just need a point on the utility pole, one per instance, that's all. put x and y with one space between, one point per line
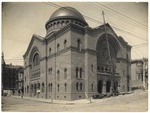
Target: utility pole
144 73
111 62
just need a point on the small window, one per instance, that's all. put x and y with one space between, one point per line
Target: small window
80 72
65 44
65 87
50 71
76 72
49 51
65 73
25 79
58 87
79 44
49 87
123 73
58 75
92 68
81 87
58 48
42 87
27 89
92 87
77 86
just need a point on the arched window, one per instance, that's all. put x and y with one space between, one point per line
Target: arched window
58 87
80 72
36 60
65 73
65 87
38 85
50 71
51 87
58 48
27 89
25 79
79 44
77 86
92 87
62 23
81 87
76 72
50 51
65 44
92 67
58 75
42 87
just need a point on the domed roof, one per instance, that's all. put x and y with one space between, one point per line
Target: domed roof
67 12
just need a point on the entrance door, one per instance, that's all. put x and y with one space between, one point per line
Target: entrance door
108 84
100 86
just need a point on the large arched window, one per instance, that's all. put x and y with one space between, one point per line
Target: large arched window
36 60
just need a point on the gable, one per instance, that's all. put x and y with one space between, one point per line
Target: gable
34 37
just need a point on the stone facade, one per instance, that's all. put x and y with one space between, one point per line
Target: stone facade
71 61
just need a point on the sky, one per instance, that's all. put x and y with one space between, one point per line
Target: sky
21 20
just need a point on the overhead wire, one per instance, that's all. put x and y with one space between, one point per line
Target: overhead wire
116 16
121 14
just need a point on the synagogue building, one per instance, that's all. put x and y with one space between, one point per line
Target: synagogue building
73 59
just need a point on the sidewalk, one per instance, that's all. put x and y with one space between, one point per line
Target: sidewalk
54 101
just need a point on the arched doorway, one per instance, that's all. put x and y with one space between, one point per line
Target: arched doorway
100 86
34 90
108 85
115 86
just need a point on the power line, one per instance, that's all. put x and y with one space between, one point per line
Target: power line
116 16
121 14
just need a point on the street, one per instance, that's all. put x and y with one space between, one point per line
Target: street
137 101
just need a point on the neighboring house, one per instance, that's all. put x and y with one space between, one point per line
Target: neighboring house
9 76
139 74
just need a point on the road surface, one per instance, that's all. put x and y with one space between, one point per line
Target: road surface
136 102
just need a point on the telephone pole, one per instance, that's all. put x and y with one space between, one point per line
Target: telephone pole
111 61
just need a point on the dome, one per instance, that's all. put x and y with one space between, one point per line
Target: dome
64 16
67 12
